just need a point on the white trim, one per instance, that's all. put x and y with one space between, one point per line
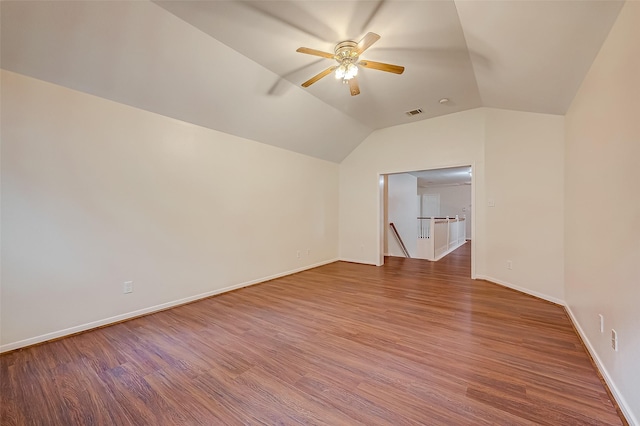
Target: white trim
381 226
129 315
457 246
360 261
522 289
622 403
473 228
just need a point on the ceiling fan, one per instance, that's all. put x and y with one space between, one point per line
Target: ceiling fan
347 54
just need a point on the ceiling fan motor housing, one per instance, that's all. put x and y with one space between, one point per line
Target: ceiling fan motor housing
346 50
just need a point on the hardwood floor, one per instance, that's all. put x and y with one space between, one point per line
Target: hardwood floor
412 342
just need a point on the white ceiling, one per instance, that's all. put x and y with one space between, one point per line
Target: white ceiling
442 177
232 65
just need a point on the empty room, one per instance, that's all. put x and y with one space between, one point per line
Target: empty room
195 212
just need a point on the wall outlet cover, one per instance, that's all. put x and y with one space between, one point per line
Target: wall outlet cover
601 319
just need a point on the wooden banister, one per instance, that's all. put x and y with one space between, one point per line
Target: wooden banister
395 232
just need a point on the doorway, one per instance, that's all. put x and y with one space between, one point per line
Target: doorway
408 196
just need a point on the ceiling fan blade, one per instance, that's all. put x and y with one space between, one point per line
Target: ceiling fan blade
354 87
315 52
318 76
366 42
380 66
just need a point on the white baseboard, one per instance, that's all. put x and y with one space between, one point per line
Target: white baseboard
450 251
624 407
145 311
622 403
522 290
364 262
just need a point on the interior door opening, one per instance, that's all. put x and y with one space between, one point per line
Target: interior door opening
431 211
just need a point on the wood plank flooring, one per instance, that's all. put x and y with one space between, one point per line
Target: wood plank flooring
409 343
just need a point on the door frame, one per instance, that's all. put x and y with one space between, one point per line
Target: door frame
382 200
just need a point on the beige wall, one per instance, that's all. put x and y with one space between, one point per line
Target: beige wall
512 153
451 140
402 211
602 220
95 193
524 179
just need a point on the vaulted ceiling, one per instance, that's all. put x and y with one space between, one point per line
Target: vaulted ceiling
232 65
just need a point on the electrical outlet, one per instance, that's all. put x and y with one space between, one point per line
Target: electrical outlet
614 340
601 323
298 254
308 252
509 264
127 287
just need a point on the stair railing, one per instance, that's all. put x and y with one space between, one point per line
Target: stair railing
399 239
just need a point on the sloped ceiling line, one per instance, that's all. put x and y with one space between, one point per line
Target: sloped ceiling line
232 65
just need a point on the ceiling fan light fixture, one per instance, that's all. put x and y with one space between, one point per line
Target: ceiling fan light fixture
346 70
352 71
347 55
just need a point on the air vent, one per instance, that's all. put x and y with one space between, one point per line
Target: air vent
414 112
